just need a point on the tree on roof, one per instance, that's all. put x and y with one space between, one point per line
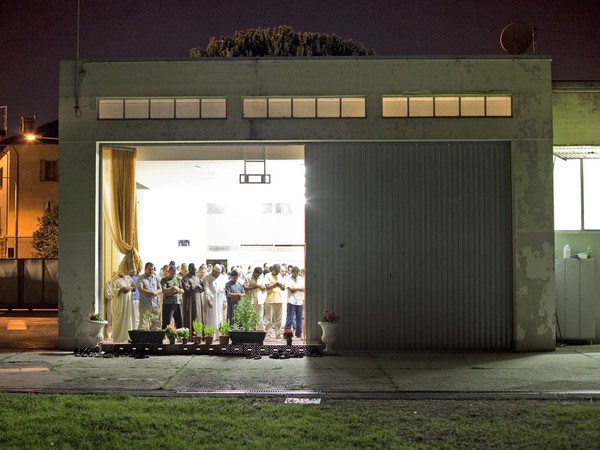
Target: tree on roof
45 238
280 41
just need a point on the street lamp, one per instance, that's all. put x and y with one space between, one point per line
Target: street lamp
30 137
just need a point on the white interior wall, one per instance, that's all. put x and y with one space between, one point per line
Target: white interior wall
174 207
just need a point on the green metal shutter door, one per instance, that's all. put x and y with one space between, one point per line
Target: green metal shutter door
410 243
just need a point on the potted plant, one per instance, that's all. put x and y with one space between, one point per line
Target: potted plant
144 336
198 327
329 324
154 319
246 319
171 333
96 324
209 334
183 334
288 334
224 329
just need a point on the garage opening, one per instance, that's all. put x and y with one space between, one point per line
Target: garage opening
239 205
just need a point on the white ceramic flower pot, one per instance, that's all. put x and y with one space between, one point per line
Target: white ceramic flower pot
95 327
329 337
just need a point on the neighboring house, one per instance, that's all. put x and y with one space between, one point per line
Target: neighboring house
428 219
28 187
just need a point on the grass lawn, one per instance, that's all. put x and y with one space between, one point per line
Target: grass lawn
124 422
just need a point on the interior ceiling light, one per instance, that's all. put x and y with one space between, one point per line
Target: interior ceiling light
577 152
255 177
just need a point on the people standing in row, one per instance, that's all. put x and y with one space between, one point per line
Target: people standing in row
135 299
214 294
122 288
255 286
183 270
274 301
171 288
192 296
234 291
149 286
295 302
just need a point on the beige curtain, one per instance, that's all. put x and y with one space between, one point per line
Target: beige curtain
120 204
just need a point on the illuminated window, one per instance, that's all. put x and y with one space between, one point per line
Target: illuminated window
255 108
420 106
576 184
162 108
500 106
447 107
187 108
305 107
354 107
328 107
136 108
395 106
591 187
567 194
280 107
472 106
110 109
214 108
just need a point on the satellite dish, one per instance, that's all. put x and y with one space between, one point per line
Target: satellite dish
516 37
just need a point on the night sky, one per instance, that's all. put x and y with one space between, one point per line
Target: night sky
36 34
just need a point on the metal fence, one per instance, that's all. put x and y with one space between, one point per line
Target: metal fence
28 283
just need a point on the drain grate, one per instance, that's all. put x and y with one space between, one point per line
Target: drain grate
326 393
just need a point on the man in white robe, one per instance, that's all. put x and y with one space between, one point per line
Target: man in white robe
122 288
214 297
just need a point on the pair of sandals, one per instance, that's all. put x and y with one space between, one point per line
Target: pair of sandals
136 355
286 355
87 352
252 355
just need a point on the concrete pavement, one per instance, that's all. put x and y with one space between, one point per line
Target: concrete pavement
570 371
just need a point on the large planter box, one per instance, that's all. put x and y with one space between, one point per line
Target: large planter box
146 337
247 337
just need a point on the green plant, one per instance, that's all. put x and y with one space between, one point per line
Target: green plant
198 327
245 315
151 316
171 331
95 317
280 41
45 238
224 328
209 331
183 333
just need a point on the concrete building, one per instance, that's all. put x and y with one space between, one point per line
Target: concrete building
429 215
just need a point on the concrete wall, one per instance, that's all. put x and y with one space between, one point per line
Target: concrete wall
529 131
576 110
